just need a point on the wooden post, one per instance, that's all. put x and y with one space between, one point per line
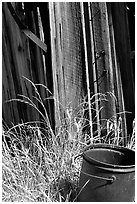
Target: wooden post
93 66
54 64
87 71
117 78
67 48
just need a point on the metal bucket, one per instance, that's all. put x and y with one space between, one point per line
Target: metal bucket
107 174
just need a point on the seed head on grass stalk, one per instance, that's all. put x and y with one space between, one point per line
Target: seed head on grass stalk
28 101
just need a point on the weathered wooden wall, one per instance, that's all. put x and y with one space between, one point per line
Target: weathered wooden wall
21 57
108 71
97 52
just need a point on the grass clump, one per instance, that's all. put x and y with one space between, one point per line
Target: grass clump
39 165
36 169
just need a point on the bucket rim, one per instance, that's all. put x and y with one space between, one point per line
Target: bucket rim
120 168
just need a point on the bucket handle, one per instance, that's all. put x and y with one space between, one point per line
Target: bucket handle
110 180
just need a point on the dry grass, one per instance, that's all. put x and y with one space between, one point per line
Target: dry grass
38 164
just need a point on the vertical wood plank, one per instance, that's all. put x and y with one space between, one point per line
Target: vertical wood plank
103 58
122 39
66 35
120 107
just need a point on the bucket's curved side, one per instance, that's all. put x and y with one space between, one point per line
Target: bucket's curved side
99 188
